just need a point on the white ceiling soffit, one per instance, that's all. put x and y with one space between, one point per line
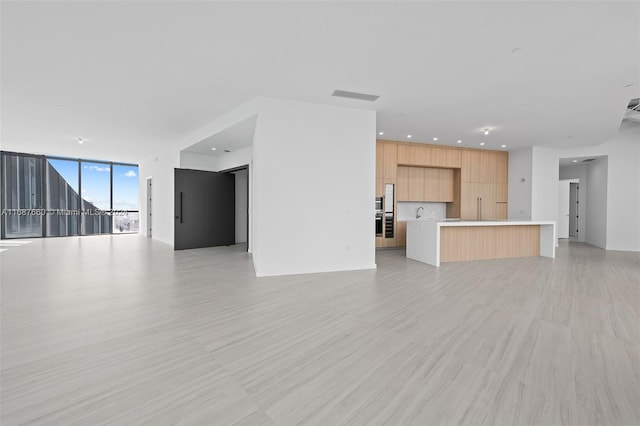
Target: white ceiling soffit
573 161
231 139
134 77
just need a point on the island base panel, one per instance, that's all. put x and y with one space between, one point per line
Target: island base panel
488 242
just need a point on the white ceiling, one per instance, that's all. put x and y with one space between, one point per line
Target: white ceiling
132 77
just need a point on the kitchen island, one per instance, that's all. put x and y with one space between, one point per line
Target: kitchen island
436 241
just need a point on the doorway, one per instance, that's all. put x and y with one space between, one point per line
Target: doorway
567 221
149 208
242 229
563 209
574 213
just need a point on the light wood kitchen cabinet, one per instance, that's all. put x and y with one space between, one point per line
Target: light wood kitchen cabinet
380 160
390 160
406 154
471 164
484 166
416 184
379 187
428 156
431 191
454 158
502 192
401 235
501 211
425 184
502 168
402 188
469 201
488 201
488 161
438 157
478 201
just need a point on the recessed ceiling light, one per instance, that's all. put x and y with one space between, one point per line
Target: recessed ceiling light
482 143
486 131
213 149
409 136
381 133
227 150
80 140
503 146
516 50
569 137
629 85
435 139
459 141
575 161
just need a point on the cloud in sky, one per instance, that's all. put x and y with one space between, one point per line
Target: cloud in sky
97 168
130 173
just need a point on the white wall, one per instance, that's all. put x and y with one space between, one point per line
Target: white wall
520 172
597 202
161 169
195 161
313 188
579 171
623 185
544 184
242 185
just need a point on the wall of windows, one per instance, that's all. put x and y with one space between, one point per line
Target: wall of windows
52 197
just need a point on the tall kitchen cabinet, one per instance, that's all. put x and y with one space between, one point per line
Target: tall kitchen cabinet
387 173
483 191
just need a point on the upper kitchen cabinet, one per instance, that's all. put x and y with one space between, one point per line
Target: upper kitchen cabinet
428 156
488 161
454 158
484 166
470 165
390 161
380 160
425 184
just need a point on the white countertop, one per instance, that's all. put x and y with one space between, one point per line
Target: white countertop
457 222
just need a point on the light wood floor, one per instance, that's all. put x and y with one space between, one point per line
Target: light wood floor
122 330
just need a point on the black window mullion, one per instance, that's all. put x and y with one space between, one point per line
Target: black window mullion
111 195
80 217
43 195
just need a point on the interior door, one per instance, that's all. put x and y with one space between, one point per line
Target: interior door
204 209
563 209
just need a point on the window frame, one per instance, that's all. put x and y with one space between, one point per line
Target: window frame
44 197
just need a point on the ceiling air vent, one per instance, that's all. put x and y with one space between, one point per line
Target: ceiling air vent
354 95
634 104
587 160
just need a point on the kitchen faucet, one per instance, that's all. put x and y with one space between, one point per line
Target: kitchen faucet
418 215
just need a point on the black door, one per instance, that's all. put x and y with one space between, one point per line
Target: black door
204 209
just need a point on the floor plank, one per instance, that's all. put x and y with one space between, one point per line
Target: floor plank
124 330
